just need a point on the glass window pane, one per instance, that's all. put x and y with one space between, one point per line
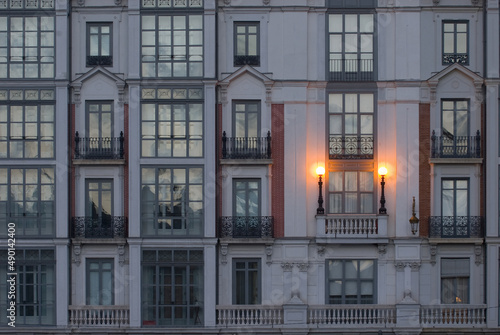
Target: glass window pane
335 23
351 23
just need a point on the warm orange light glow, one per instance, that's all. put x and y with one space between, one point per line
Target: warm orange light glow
320 171
382 171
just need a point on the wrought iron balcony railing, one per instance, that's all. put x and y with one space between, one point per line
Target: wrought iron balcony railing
246 147
351 147
99 60
101 227
351 70
455 58
450 146
246 226
99 147
246 60
455 226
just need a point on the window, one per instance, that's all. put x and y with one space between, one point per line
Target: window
172 125
27 198
351 281
246 43
455 280
246 197
351 192
99 44
172 201
455 207
455 140
351 118
99 210
172 287
100 276
246 282
351 43
27 47
27 124
172 45
35 290
456 42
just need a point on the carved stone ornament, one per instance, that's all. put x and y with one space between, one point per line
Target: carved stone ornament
478 252
118 2
269 253
435 2
287 266
400 266
266 2
382 249
227 2
415 266
77 251
433 250
81 2
223 253
121 254
321 250
475 2
303 267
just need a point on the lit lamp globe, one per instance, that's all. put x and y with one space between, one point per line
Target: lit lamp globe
320 171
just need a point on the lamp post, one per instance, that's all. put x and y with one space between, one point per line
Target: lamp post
414 220
320 171
382 172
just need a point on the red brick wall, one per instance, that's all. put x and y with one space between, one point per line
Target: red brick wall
424 203
278 168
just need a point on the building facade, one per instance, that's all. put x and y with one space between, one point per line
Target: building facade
249 166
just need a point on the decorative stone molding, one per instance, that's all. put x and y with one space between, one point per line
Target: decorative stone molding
121 254
303 267
475 2
77 251
415 266
435 2
400 266
478 252
269 253
121 92
287 266
321 250
118 2
227 2
76 94
81 2
223 253
266 2
433 251
407 297
223 94
382 249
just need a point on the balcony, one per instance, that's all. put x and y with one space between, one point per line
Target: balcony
459 315
99 147
353 315
99 316
246 227
246 60
246 147
99 60
455 227
249 315
351 226
102 227
351 70
452 58
450 146
351 147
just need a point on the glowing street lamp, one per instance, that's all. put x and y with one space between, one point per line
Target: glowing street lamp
382 171
320 171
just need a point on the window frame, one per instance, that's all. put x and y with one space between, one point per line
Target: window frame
88 288
100 112
455 57
6 122
358 280
168 259
247 191
44 53
195 221
360 71
246 58
247 270
41 189
167 97
166 62
42 264
340 146
99 59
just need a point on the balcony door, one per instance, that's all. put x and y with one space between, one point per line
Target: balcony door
246 129
99 210
455 127
100 281
99 127
455 207
246 207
